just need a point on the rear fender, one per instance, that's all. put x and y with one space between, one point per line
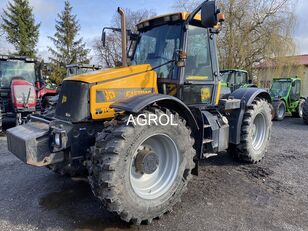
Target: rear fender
247 96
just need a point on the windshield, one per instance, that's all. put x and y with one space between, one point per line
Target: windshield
225 76
158 46
280 88
15 68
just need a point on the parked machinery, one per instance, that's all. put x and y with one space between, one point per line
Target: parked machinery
286 97
139 171
22 89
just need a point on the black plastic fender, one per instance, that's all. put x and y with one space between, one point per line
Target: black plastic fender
137 103
247 96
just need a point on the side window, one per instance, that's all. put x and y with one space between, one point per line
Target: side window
296 90
198 64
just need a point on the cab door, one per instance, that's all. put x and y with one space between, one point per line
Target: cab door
200 75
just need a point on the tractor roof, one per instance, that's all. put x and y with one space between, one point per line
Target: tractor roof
15 57
166 18
293 78
238 70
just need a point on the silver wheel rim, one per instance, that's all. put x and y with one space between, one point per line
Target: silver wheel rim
281 111
152 186
258 131
300 110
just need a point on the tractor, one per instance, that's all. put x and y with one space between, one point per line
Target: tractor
232 79
139 131
286 97
23 90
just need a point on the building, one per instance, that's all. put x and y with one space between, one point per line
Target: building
284 67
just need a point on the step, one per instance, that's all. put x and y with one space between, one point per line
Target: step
208 155
207 141
206 126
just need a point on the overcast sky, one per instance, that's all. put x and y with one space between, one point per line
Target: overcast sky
94 14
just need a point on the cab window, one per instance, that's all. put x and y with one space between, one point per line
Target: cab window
198 65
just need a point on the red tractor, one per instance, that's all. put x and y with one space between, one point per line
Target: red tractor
22 89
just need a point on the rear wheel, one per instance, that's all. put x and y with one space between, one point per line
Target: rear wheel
299 111
305 112
280 110
140 172
255 133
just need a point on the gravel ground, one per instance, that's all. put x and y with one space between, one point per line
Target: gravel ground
272 195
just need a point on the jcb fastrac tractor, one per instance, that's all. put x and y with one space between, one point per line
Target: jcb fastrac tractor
140 170
286 97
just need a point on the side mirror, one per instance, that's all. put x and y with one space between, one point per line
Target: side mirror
104 38
209 14
293 84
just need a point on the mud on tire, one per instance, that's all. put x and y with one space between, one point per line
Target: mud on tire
255 133
112 168
280 110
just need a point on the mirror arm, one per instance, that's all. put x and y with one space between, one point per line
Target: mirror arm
193 14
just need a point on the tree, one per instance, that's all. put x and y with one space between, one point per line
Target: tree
110 55
68 49
254 31
19 26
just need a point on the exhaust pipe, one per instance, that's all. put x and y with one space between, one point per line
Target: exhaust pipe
124 36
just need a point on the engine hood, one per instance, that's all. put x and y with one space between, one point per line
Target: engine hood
110 74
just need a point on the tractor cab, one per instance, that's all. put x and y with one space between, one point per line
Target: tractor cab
182 51
22 88
286 97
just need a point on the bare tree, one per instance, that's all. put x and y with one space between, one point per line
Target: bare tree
254 31
110 55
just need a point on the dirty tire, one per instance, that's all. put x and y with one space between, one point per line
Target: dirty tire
299 111
255 133
113 167
73 170
280 110
305 112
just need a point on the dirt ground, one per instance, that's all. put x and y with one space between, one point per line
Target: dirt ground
272 195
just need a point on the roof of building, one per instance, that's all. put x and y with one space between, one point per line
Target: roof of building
293 60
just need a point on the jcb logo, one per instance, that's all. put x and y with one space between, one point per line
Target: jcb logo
109 95
64 99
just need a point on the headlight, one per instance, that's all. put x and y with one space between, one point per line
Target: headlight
57 139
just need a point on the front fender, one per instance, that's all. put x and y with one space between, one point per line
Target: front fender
137 103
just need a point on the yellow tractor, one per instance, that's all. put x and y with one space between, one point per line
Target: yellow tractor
139 131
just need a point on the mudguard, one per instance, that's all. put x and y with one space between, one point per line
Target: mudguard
138 103
247 96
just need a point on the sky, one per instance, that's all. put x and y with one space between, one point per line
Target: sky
93 15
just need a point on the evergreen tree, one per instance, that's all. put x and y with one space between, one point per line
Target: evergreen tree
20 28
68 49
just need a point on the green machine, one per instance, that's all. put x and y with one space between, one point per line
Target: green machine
232 79
286 97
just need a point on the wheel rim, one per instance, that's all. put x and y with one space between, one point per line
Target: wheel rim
259 131
152 186
281 111
300 110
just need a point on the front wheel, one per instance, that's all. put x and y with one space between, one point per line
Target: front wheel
255 133
280 110
140 172
299 111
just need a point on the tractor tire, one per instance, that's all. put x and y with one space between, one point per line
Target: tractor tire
69 170
280 110
305 112
299 111
140 172
255 133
